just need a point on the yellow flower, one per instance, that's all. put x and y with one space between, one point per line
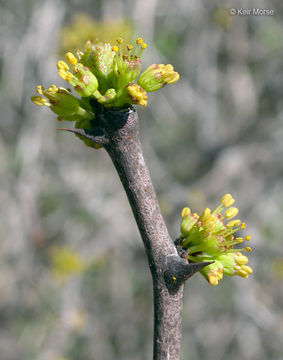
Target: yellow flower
137 94
156 76
210 237
106 74
61 102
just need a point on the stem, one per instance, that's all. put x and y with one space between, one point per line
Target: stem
118 131
124 148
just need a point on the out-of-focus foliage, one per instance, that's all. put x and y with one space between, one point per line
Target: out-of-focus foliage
218 130
83 28
65 262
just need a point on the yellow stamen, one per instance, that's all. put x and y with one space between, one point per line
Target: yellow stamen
248 249
174 278
137 94
69 76
139 41
227 200
52 89
195 215
119 40
70 57
213 280
206 214
39 89
65 75
233 223
142 47
62 65
214 277
62 73
247 269
209 225
242 260
172 78
239 239
185 212
210 221
243 225
242 274
129 47
38 100
248 237
115 48
230 213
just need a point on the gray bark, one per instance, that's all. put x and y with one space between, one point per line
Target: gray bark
118 131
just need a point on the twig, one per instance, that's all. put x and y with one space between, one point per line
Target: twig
120 129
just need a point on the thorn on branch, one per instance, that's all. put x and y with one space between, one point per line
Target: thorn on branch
96 136
178 271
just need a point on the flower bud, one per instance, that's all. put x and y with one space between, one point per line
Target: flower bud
127 70
213 272
185 212
136 94
85 83
61 100
187 223
62 103
229 263
156 76
109 96
99 59
205 215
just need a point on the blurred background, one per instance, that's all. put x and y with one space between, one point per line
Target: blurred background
74 281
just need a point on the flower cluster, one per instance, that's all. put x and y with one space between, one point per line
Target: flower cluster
211 237
107 74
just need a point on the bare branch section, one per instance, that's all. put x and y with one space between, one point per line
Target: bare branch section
120 138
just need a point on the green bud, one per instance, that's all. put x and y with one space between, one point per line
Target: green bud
108 96
156 76
213 272
99 59
187 223
61 101
84 82
228 262
126 70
